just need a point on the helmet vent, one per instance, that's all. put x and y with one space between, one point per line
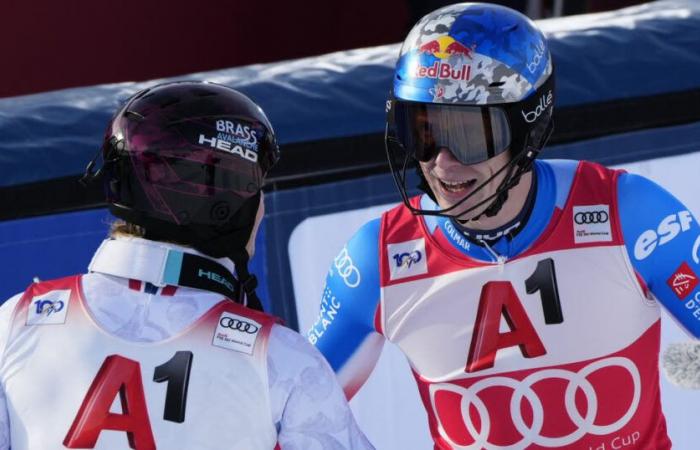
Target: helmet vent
133 115
169 102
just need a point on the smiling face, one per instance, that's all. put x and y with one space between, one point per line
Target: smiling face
451 181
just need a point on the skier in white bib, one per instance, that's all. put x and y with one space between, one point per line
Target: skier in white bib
159 345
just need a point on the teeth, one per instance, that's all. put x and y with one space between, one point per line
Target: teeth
456 186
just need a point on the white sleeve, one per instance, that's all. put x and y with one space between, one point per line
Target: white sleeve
308 405
6 311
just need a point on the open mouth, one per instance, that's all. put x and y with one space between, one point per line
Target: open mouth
457 186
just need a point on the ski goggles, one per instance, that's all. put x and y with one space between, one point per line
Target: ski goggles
471 133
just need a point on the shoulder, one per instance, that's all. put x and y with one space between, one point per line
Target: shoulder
8 306
643 201
7 310
632 187
289 354
364 243
651 216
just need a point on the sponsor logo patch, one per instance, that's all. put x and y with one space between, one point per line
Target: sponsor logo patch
407 259
236 332
347 269
683 281
667 230
49 309
542 105
592 224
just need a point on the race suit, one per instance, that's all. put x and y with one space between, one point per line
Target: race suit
103 361
545 339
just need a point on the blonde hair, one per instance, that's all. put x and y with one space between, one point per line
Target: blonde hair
120 228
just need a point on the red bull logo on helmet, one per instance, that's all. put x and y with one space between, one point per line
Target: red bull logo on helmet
443 71
445 47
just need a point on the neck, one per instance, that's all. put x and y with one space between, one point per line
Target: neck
517 197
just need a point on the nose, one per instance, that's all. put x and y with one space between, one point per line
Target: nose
445 159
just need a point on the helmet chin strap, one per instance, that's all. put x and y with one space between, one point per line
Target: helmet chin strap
509 182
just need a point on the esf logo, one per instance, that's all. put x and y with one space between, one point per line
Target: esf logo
48 307
670 227
407 259
696 251
544 103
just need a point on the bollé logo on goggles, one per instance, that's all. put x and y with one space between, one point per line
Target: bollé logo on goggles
544 103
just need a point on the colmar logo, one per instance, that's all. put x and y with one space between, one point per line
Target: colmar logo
683 281
544 103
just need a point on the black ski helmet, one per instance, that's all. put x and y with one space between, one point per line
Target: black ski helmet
187 161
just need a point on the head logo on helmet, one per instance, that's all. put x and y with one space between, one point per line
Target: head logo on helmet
471 58
187 162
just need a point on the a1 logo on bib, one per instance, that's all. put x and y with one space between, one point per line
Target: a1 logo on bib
407 259
48 309
236 332
592 224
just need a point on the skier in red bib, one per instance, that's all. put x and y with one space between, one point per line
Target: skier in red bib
524 293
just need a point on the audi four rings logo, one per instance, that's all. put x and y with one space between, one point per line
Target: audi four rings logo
591 217
523 390
238 325
346 269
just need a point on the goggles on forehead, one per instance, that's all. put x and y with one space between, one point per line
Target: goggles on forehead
472 134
